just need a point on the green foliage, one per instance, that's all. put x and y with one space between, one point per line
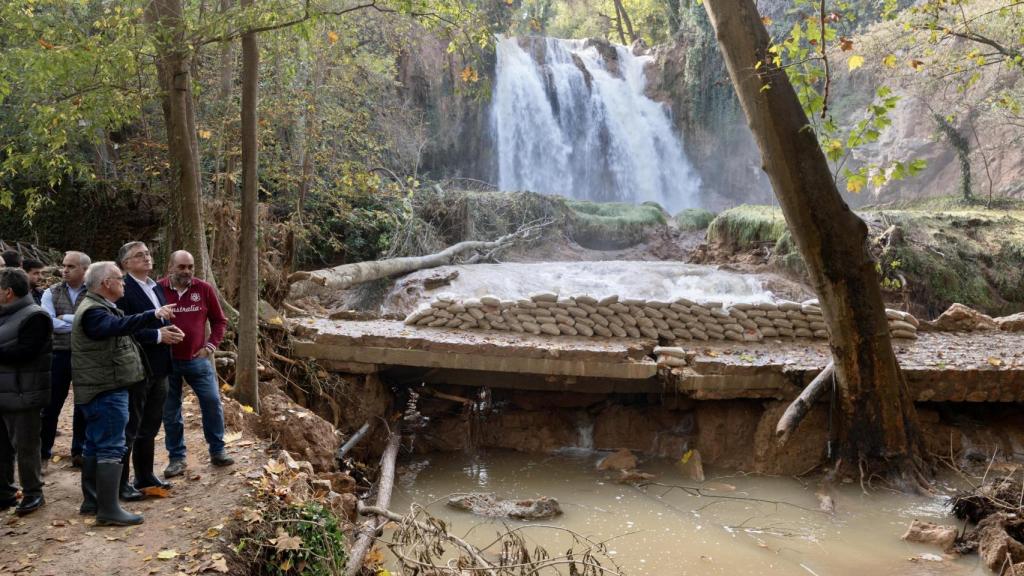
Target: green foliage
747 226
956 251
67 77
692 219
612 225
587 19
808 53
322 551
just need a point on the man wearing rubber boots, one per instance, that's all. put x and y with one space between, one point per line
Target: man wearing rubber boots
106 363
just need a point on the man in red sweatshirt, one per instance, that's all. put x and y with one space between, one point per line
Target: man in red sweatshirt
197 303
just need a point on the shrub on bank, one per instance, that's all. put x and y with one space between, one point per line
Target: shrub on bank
747 226
612 225
693 219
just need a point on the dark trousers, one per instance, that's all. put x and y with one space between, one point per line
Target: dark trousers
19 439
145 409
60 383
145 414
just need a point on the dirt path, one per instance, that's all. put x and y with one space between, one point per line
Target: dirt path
57 541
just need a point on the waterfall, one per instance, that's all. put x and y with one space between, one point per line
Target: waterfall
570 117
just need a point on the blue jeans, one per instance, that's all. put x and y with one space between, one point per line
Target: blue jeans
199 374
105 419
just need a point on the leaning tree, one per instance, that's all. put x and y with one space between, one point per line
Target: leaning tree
877 427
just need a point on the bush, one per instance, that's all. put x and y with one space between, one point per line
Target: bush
694 219
612 225
746 226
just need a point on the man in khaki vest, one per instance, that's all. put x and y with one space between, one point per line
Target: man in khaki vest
105 363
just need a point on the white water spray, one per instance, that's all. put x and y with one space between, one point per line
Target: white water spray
576 125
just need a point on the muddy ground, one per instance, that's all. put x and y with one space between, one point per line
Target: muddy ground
181 534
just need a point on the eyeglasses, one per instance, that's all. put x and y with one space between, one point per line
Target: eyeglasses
118 278
145 254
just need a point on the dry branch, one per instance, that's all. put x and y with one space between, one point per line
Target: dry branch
796 411
304 283
368 530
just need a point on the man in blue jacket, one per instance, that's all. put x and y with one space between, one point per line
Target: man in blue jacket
106 363
141 294
26 337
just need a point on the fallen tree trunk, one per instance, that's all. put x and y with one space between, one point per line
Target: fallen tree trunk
368 530
796 411
304 283
468 548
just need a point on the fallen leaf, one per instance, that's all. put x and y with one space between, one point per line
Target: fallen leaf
156 491
169 554
232 437
994 361
247 409
219 565
214 531
285 541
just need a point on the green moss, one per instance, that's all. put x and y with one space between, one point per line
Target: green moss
612 225
969 254
747 226
693 219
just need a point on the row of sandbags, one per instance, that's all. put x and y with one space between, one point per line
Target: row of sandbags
611 316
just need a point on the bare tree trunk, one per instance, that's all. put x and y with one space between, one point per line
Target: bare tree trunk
878 429
187 230
347 275
365 534
618 22
246 376
624 17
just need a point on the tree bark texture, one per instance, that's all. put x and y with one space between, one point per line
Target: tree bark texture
878 425
246 375
187 230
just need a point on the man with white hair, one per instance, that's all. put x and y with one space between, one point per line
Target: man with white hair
61 300
106 362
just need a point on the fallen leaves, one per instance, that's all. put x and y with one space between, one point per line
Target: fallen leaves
285 541
167 554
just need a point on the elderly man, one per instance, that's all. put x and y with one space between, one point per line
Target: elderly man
61 300
106 363
25 340
197 303
142 293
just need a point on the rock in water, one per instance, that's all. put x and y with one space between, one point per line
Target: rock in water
488 504
621 460
690 466
928 533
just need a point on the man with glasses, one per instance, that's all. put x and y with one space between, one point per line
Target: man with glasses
147 397
106 363
61 300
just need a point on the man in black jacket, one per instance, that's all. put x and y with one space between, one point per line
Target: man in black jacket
26 337
142 293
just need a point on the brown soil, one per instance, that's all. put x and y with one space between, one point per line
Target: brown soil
57 541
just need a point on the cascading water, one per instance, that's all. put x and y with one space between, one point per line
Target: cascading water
568 120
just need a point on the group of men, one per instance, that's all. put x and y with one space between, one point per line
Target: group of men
125 343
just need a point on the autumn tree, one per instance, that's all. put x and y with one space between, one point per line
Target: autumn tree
878 430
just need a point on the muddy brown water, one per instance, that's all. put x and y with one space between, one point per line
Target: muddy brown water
657 530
